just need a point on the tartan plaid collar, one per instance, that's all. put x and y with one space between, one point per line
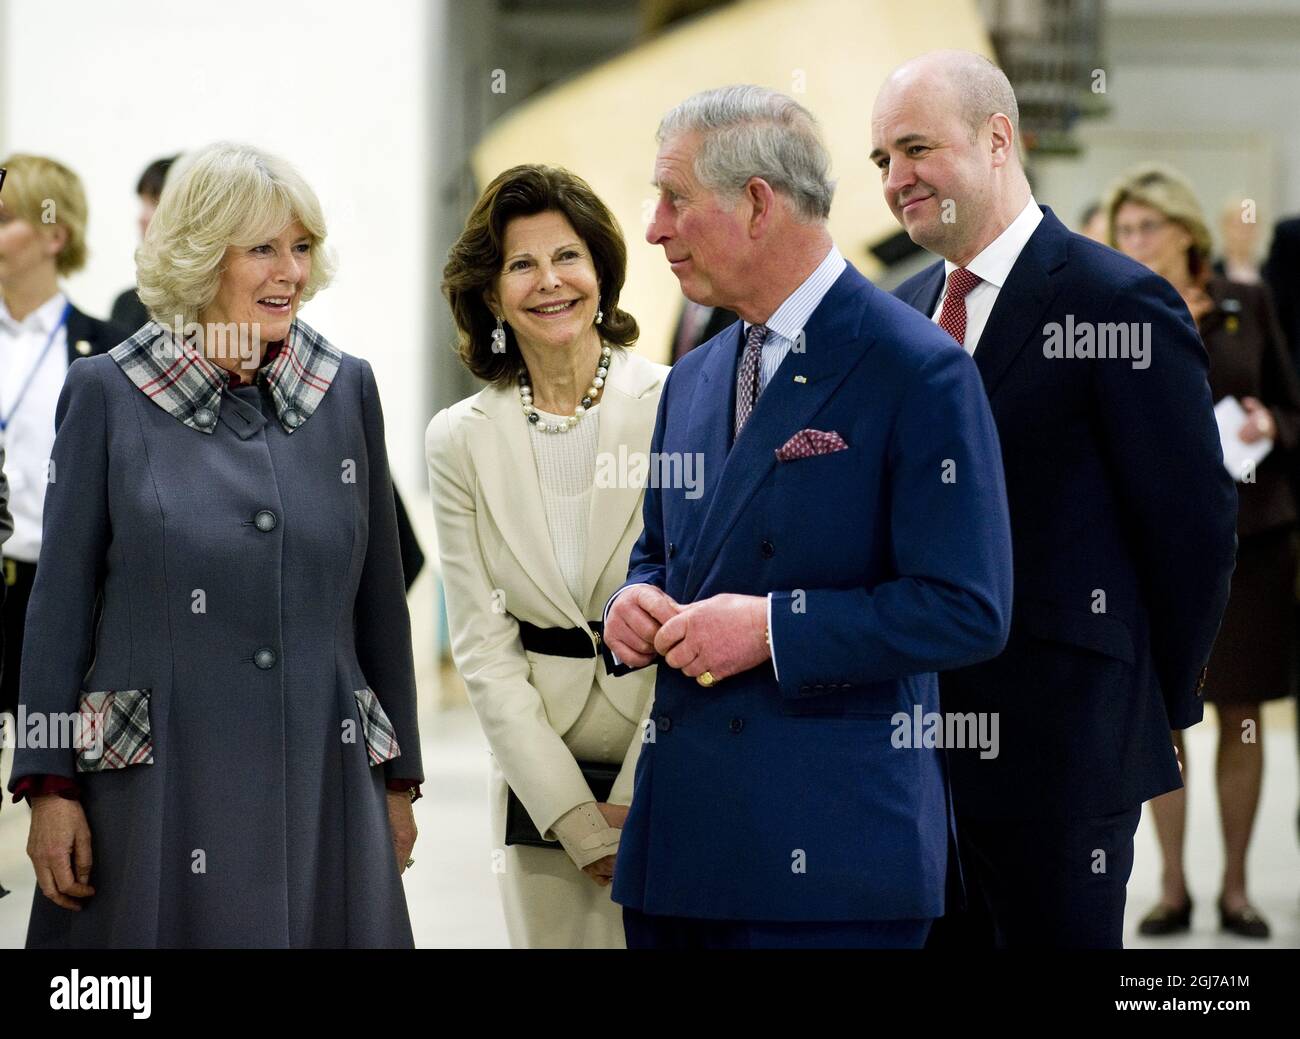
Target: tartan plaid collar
186 385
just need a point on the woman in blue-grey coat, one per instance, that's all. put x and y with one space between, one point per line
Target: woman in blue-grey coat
219 734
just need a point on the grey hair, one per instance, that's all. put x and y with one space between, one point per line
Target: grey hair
984 91
749 131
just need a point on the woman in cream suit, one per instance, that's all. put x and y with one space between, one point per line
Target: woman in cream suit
536 522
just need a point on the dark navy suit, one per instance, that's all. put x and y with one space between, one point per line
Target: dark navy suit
1123 536
787 801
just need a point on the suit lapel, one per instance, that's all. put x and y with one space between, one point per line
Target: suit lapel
784 407
713 409
1018 313
925 297
507 471
627 418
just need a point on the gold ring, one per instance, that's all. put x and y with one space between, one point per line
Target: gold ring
706 679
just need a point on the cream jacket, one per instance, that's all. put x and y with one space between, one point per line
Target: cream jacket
498 568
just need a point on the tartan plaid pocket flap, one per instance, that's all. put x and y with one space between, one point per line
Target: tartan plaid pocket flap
112 730
381 740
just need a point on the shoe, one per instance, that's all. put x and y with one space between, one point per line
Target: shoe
1245 921
1165 919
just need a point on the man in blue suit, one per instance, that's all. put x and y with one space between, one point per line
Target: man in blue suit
1122 514
851 539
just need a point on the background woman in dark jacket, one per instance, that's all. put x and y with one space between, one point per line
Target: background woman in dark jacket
1156 219
243 771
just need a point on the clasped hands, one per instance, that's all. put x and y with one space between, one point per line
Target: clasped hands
723 635
1259 422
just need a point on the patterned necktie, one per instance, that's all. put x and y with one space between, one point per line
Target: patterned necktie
750 363
952 318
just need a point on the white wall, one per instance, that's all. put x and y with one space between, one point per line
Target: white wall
1209 85
339 89
344 91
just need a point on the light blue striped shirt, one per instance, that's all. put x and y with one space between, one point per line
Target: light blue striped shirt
787 321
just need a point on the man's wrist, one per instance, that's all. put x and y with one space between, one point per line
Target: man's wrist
761 625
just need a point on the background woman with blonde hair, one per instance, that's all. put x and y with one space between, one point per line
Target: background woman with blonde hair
43 217
1156 219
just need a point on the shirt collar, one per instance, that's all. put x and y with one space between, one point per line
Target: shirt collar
186 385
43 320
789 318
994 263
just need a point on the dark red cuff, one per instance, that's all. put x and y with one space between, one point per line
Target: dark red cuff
406 784
39 786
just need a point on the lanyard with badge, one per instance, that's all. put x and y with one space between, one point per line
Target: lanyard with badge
31 375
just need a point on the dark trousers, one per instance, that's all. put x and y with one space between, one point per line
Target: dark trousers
1041 884
649 931
16 590
18 578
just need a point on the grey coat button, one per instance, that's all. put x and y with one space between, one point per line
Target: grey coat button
264 659
265 521
292 418
204 417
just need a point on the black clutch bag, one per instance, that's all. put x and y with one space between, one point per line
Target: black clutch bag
519 827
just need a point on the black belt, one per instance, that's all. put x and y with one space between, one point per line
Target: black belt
581 643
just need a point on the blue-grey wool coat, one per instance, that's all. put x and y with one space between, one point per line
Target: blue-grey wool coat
220 587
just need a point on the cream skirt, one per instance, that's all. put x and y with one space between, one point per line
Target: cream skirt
549 903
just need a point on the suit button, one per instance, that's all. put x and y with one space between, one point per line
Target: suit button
819 687
292 418
265 521
204 417
767 548
737 724
264 659
665 723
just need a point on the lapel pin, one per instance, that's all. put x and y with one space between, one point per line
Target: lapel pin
801 378
83 347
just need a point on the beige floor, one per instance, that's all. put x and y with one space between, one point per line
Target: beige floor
452 891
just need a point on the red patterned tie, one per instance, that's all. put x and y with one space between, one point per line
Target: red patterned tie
750 362
952 318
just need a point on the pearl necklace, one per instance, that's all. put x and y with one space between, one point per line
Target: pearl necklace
564 425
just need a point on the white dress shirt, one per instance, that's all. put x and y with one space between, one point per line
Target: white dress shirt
29 438
993 266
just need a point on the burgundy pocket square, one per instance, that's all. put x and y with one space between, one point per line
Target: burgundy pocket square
809 443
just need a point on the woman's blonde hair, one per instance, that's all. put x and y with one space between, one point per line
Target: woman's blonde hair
224 195
44 193
1169 193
